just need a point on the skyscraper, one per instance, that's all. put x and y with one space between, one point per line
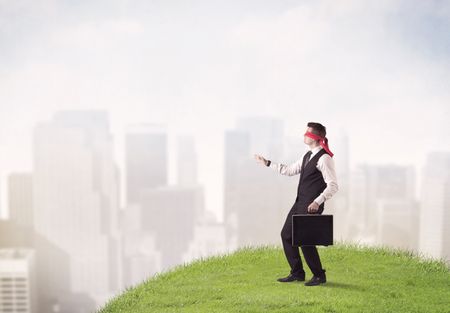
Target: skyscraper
75 197
209 238
169 213
265 134
187 168
49 260
237 149
20 198
256 198
383 205
435 206
146 159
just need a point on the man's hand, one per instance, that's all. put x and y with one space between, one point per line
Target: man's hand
260 159
313 207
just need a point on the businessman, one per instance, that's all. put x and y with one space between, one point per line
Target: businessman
317 184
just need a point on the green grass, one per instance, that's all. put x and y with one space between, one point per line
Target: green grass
359 279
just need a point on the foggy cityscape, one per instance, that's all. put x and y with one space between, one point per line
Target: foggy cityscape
79 245
128 133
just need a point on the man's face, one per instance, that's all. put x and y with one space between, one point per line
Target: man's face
306 139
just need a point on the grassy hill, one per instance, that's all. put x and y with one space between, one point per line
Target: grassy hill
359 279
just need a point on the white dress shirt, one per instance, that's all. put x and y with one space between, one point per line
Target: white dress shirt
325 164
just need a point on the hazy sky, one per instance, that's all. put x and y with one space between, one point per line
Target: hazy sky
378 69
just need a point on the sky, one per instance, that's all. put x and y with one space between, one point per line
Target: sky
378 70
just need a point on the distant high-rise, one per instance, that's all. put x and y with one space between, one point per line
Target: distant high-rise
383 204
17 281
146 160
141 259
20 198
209 239
186 161
256 198
237 149
435 206
158 230
3 215
265 134
52 268
169 213
159 219
75 197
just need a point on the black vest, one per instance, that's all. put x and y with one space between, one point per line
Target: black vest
311 183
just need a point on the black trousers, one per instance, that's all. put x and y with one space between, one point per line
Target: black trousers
292 253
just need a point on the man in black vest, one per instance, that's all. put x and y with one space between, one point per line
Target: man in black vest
317 184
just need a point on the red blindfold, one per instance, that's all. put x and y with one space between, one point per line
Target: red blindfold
323 141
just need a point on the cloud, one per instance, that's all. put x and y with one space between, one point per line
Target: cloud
103 33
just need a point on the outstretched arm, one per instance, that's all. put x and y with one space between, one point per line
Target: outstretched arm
289 170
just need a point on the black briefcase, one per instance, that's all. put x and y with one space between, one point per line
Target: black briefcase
312 230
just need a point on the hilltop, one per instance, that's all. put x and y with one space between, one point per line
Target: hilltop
359 279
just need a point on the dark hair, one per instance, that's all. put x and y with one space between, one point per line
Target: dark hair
318 129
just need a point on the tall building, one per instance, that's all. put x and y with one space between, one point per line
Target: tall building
265 135
17 281
398 223
186 161
237 149
20 198
146 159
356 228
435 206
187 172
383 204
257 199
209 239
141 259
4 214
169 214
159 219
75 198
53 293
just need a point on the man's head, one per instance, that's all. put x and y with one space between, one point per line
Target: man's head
317 129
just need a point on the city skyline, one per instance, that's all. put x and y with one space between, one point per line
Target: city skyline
249 127
67 209
213 185
128 131
378 70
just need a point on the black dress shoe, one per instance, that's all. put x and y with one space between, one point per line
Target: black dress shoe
317 280
291 277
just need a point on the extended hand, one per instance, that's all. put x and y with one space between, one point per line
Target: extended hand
313 207
260 159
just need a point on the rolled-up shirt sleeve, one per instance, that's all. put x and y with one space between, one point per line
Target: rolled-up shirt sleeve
289 170
326 165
